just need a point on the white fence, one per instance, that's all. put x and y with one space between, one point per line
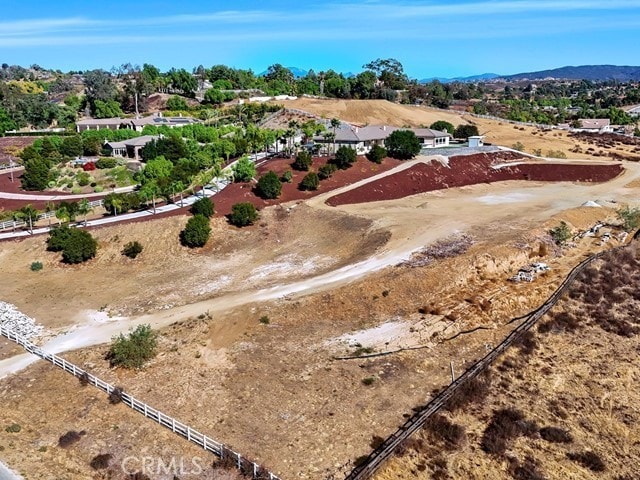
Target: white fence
13 224
246 466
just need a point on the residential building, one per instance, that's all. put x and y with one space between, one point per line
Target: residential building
137 124
362 139
596 125
129 148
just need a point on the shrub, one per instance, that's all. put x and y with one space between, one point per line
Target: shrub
451 434
132 249
518 146
69 439
368 381
101 461
561 233
79 247
106 162
203 206
505 425
83 179
377 154
196 232
630 218
302 162
555 435
589 460
244 170
133 350
264 320
13 428
310 182
472 391
115 396
243 214
326 171
402 144
269 186
58 237
84 379
89 167
287 177
36 266
443 126
344 158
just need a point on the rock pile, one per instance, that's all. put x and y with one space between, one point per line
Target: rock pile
13 319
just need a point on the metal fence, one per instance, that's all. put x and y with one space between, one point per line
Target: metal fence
376 458
246 466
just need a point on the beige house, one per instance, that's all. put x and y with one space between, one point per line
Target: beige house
129 148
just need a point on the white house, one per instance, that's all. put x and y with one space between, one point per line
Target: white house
362 139
595 125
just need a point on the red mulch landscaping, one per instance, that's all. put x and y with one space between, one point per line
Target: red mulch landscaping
469 170
243 192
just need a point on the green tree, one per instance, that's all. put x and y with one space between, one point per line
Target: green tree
107 109
177 103
135 349
243 214
6 123
302 162
28 214
36 175
402 144
325 171
466 131
196 232
84 208
310 182
72 146
76 245
269 185
203 206
244 170
157 168
443 126
344 158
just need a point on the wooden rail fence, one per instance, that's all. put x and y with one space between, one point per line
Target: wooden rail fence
246 466
377 457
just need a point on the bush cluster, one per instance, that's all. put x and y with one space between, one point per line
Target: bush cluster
196 232
243 214
203 206
377 154
134 349
76 245
132 249
269 186
310 182
106 162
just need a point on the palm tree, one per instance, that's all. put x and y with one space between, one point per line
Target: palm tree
28 214
84 208
335 123
62 214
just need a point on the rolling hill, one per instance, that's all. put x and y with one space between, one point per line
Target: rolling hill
583 72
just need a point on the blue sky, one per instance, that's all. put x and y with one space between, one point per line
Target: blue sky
430 38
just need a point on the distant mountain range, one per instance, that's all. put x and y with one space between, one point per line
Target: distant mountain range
473 78
583 72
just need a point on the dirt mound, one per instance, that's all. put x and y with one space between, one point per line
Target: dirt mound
470 170
374 112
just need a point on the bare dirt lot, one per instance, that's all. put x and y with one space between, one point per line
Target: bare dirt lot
556 406
330 282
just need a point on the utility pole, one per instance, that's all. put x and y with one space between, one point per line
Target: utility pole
11 168
453 374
